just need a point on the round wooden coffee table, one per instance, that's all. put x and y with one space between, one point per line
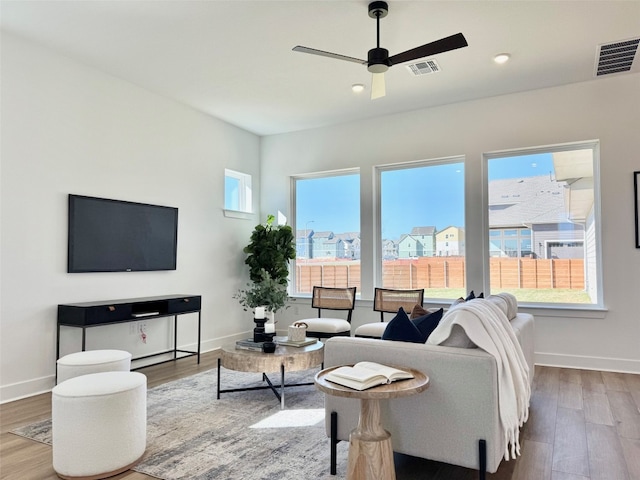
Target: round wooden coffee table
284 359
370 450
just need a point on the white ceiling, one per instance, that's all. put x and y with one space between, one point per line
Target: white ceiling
233 59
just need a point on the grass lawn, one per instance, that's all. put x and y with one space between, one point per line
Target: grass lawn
524 295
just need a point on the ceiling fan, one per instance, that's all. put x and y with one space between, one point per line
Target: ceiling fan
379 60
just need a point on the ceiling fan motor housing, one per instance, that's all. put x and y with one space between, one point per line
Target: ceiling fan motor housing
378 60
378 9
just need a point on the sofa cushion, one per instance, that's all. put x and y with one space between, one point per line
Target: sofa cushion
400 328
418 311
427 323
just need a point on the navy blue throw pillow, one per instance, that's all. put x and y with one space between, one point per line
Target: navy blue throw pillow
402 329
428 323
471 296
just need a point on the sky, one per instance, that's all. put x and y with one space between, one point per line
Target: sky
414 197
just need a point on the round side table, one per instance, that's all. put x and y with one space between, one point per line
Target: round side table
370 450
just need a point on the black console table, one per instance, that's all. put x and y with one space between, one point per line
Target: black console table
95 314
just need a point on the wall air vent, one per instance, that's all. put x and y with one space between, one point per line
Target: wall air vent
616 57
424 67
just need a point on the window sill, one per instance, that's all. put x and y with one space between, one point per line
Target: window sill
239 214
566 311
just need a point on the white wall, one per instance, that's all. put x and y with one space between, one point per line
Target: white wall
607 109
67 128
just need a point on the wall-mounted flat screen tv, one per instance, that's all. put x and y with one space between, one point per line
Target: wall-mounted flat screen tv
117 236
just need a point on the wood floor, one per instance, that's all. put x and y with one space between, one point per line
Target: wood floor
583 425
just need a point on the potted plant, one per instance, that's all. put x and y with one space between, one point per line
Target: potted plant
268 254
266 292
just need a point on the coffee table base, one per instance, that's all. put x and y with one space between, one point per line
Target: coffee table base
279 394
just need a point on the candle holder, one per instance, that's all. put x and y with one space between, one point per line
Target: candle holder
258 331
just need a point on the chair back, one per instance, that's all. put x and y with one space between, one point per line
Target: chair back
390 300
332 298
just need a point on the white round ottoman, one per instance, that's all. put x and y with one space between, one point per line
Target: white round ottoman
99 424
92 361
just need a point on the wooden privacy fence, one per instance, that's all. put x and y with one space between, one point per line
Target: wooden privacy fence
537 273
447 272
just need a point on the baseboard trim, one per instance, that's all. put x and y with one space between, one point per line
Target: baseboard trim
30 388
37 386
622 365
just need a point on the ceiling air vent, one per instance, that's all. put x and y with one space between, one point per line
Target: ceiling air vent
616 57
424 67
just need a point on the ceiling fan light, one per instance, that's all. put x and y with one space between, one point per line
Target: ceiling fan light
377 86
501 58
357 87
378 68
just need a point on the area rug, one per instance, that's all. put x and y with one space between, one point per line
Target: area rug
244 435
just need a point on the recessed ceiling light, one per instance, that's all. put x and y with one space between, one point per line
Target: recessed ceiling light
357 87
501 58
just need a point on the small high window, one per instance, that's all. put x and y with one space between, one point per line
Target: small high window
237 191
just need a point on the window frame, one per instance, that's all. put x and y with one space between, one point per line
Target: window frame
377 204
245 194
594 146
293 281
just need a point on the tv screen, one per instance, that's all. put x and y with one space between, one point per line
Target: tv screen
117 236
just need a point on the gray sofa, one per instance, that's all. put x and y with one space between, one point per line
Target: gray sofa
455 420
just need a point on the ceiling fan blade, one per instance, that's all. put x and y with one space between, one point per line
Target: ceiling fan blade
439 46
322 53
377 85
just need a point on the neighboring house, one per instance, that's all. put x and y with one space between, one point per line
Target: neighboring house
304 247
325 245
409 247
529 217
351 243
450 242
389 249
330 248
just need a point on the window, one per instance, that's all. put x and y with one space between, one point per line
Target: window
544 225
237 191
327 223
419 228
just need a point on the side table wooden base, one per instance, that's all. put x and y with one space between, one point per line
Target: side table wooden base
370 450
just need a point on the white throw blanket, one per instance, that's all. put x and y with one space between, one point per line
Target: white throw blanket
487 326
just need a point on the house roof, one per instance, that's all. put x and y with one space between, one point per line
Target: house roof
321 235
522 201
234 60
423 231
348 236
304 233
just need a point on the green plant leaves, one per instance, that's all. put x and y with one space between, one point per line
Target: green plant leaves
268 254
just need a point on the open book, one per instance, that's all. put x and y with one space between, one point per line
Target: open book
365 375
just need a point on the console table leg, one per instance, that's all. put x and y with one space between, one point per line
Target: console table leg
199 328
218 395
175 337
58 343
